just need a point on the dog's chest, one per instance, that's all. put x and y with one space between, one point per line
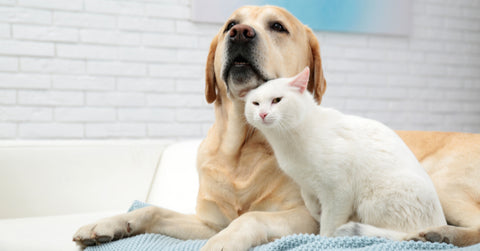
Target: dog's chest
246 179
253 184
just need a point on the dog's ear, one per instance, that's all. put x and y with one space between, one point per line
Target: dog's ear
317 83
210 79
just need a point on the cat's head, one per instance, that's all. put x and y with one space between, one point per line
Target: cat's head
280 103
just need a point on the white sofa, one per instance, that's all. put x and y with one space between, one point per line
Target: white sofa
50 188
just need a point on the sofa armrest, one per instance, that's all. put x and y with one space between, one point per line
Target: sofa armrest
175 186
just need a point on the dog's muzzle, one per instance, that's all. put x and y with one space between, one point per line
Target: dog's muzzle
242 70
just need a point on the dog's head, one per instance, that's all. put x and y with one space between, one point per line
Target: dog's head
257 44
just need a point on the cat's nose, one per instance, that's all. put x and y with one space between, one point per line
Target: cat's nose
263 115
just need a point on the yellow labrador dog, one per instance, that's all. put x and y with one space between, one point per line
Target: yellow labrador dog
244 199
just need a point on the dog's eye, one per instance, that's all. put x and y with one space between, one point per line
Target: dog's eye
255 103
276 26
230 25
276 100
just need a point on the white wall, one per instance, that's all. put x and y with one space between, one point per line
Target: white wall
134 69
427 81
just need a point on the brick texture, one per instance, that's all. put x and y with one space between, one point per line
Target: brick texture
88 69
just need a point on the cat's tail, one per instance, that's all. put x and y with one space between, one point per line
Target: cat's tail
360 229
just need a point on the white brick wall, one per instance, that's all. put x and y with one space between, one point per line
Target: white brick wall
429 80
134 69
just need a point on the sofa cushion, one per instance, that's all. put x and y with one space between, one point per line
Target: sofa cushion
42 178
50 233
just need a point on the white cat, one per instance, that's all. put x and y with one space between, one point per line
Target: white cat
349 168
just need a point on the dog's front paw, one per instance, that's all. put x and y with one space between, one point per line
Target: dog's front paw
227 242
222 245
103 231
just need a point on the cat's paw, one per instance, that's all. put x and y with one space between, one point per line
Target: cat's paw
348 229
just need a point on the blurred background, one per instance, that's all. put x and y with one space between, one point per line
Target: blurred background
96 69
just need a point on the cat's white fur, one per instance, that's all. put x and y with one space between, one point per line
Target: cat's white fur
349 168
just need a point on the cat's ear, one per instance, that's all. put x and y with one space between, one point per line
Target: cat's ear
301 80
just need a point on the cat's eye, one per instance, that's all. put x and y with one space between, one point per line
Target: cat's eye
276 100
255 103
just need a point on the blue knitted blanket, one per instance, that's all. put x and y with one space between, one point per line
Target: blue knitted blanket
300 242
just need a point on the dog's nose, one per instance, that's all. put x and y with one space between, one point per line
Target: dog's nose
241 33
